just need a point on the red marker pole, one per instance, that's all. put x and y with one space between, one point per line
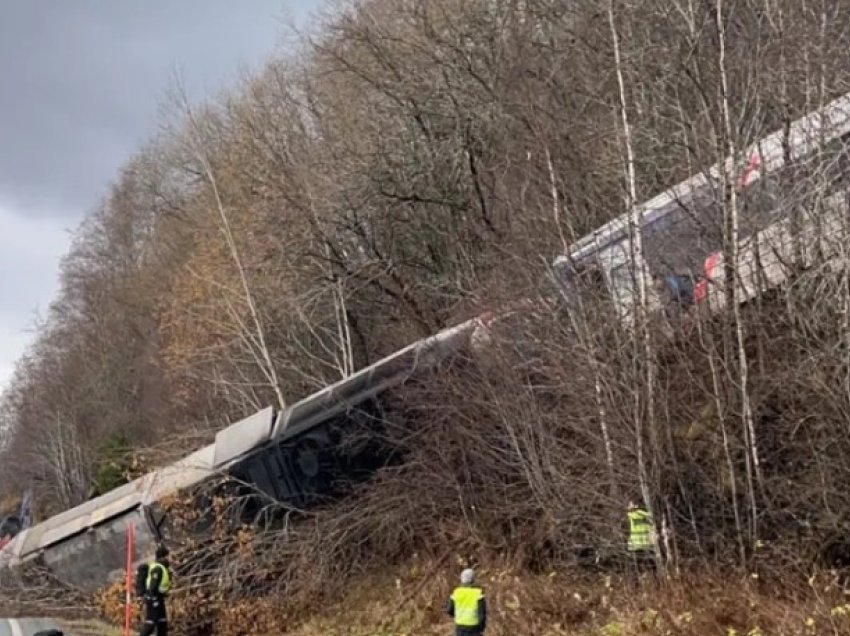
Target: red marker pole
128 595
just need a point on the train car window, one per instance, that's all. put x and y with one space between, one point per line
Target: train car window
579 281
622 282
677 289
616 264
678 245
581 275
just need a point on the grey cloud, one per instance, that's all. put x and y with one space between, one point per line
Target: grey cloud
80 81
80 85
29 256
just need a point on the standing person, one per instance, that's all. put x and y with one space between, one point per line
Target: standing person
641 542
156 588
640 530
468 606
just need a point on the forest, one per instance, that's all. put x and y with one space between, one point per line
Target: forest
410 164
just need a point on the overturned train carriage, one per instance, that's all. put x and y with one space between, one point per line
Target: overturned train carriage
792 204
292 456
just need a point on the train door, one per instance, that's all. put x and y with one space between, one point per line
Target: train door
584 291
621 276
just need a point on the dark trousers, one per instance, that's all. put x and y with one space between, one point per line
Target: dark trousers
156 618
642 560
468 631
642 565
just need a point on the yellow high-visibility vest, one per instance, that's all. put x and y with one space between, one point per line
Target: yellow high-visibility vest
466 605
640 530
164 582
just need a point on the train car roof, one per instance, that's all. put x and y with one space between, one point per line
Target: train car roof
392 370
88 514
241 437
185 473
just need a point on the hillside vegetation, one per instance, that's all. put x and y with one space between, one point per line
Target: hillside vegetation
411 164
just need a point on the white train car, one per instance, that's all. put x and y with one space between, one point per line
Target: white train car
282 455
790 199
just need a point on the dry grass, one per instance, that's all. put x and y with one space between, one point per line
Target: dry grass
560 605
409 600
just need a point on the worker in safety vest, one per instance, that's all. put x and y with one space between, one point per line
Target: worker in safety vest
156 589
468 606
641 533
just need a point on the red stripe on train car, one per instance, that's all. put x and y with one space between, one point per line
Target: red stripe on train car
701 288
752 165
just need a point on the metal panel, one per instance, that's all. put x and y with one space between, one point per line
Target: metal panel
81 510
88 507
115 508
185 473
91 513
239 438
32 539
369 381
67 529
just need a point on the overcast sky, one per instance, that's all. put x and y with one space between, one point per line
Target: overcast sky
80 85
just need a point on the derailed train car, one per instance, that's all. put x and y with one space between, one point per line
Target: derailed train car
287 456
792 192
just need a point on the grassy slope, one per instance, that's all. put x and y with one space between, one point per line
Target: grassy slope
409 601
